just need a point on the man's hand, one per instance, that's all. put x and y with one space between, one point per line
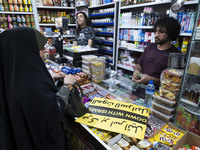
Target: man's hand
136 75
144 80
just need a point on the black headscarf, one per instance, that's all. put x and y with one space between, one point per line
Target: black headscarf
31 116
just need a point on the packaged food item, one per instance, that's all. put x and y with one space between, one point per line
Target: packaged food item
97 64
163 101
143 144
85 68
89 57
172 75
165 139
86 63
194 66
167 94
123 143
170 86
162 109
172 132
160 115
117 147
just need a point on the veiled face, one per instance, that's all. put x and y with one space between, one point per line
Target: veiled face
42 53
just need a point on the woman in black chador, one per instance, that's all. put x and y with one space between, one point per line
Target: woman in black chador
31 111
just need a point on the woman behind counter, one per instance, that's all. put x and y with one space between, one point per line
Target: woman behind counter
85 34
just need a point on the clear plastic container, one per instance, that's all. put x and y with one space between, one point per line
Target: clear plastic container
172 75
164 102
85 68
97 64
96 81
168 94
160 115
97 77
86 63
86 71
97 73
173 87
162 109
89 57
98 69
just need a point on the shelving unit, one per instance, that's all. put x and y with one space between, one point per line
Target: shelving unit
125 67
136 27
146 4
16 12
56 7
106 47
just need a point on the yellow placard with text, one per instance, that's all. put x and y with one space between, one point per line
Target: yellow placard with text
117 116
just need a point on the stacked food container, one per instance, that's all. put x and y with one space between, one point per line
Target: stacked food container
165 100
86 63
97 70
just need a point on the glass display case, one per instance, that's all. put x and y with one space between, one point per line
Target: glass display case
188 110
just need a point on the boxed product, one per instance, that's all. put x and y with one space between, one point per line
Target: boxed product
123 142
168 135
160 115
188 138
163 101
162 109
172 75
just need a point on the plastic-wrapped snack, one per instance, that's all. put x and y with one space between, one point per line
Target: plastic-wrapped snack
165 139
163 101
173 87
167 94
172 132
123 144
172 75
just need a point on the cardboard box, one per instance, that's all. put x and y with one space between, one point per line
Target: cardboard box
188 138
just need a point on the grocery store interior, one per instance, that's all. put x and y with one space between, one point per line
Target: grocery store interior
136 62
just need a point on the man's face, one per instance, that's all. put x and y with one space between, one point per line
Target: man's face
81 19
161 36
42 53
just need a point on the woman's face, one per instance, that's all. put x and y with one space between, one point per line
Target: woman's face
42 53
81 19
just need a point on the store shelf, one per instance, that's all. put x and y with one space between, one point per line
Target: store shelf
125 67
132 49
46 24
103 5
185 34
101 15
103 24
145 4
192 109
188 102
15 12
191 2
110 61
52 36
56 7
104 33
81 6
137 27
106 51
104 42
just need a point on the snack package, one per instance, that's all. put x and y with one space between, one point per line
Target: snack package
167 94
172 75
173 87
172 132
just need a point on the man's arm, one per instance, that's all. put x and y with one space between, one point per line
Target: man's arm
90 41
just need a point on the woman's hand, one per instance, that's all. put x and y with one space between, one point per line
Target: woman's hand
69 79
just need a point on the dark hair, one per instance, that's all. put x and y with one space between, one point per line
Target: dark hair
172 26
88 22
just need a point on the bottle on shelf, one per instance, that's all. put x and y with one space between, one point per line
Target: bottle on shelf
48 17
26 8
16 7
43 17
21 8
19 1
15 2
30 8
150 89
1 7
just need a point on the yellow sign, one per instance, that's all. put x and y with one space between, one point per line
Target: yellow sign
117 116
